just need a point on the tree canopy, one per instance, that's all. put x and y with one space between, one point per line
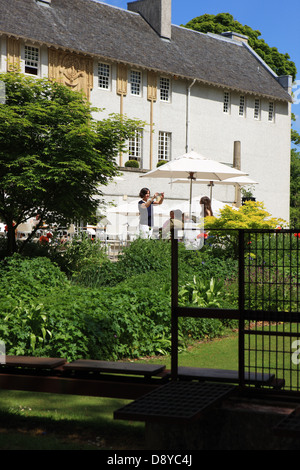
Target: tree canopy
280 63
54 156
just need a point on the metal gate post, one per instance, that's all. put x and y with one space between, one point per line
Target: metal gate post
174 304
241 309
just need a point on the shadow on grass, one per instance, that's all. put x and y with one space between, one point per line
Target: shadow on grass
45 433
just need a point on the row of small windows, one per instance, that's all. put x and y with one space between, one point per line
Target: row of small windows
242 107
32 60
135 81
104 78
163 150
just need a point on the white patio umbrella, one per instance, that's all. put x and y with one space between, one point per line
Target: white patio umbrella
131 208
237 180
194 166
128 208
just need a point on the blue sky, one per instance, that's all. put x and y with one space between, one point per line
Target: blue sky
277 21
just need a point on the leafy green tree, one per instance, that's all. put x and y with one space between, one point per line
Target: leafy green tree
280 63
54 156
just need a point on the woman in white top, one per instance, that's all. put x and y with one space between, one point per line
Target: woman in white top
145 206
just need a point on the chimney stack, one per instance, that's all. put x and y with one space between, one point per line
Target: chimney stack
286 81
157 13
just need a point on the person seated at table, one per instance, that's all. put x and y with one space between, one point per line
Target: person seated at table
175 221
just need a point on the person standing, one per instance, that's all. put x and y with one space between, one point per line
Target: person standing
207 210
145 206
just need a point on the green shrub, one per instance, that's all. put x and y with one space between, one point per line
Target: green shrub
77 254
117 322
23 319
139 257
132 164
25 278
24 328
125 311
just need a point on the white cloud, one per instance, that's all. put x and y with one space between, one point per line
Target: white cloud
296 92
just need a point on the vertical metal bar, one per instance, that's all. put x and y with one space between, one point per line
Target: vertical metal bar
297 309
174 305
241 308
290 302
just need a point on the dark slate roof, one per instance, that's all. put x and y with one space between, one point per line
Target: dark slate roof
101 30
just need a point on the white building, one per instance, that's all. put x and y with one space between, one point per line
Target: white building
196 91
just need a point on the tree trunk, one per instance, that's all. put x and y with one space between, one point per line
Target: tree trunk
11 239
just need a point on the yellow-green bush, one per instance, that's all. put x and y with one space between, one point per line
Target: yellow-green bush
252 215
223 230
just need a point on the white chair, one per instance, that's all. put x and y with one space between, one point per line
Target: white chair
111 233
133 233
100 234
23 230
72 230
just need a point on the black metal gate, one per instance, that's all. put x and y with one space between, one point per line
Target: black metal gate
268 309
270 320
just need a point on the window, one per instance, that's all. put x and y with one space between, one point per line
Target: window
164 145
271 111
104 76
242 107
226 102
257 109
32 60
164 86
135 146
135 83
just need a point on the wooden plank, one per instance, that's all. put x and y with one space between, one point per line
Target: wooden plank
222 375
114 367
124 389
33 362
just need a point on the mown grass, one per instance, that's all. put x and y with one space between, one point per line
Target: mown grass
218 353
43 421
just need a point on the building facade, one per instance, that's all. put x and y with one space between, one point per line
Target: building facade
201 92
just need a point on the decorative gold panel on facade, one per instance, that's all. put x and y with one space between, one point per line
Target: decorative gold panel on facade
122 80
72 70
13 54
152 86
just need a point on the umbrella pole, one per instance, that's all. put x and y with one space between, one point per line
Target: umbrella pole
191 177
211 186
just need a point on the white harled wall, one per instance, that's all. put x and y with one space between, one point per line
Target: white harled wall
265 146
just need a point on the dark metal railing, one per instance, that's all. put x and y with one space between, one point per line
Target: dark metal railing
271 305
268 311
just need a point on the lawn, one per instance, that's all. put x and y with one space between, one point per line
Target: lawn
36 421
42 421
219 353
